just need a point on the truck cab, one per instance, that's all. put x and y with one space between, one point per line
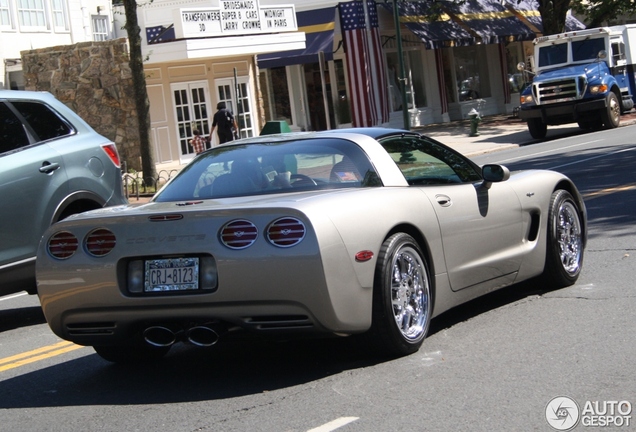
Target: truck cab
584 77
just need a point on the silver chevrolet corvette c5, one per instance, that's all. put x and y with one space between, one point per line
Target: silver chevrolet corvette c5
338 232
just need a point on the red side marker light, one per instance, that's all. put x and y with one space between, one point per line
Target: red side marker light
363 256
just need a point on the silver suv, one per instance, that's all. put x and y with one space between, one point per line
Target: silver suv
52 165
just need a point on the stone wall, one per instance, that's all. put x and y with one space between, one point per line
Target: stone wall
94 80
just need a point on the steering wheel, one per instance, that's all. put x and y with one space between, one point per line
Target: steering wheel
301 180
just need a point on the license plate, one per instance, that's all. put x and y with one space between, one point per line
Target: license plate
171 274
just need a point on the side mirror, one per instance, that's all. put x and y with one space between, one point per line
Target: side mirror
493 173
521 66
602 55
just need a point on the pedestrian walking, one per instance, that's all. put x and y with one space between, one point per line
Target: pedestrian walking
197 141
224 120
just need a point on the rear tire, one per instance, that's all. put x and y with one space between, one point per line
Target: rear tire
611 116
564 255
402 303
537 128
131 354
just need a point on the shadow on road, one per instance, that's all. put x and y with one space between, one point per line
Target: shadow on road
231 369
11 319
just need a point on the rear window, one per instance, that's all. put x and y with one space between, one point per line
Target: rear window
12 133
45 122
278 167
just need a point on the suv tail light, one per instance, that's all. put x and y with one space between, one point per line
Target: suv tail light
111 151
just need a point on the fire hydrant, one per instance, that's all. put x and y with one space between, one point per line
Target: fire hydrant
473 115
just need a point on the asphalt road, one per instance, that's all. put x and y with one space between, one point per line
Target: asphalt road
493 364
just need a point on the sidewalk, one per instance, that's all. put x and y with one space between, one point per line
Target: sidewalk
494 133
497 133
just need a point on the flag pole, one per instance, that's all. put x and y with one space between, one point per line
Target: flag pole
398 37
371 61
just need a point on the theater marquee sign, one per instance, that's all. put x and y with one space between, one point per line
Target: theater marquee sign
235 18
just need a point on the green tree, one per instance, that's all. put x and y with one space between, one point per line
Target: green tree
553 15
141 93
599 12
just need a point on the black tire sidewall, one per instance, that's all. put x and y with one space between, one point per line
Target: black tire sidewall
388 337
554 273
607 113
537 128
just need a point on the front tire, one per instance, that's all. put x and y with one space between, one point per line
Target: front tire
537 128
564 256
402 304
611 116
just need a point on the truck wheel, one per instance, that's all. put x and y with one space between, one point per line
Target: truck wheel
537 128
611 116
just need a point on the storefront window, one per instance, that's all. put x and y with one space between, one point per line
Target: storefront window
343 110
416 77
414 72
466 73
514 55
472 75
275 94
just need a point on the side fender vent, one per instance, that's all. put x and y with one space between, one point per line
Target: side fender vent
533 232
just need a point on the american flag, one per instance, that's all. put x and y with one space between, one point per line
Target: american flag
366 73
159 34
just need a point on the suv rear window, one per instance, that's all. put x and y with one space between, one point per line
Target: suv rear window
45 123
12 133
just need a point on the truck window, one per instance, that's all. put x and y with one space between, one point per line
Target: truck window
618 51
587 49
553 55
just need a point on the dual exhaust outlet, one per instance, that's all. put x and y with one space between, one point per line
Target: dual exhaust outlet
200 335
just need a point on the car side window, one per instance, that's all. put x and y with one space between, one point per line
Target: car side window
12 133
424 161
45 122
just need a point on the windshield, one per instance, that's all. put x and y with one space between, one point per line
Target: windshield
582 50
270 168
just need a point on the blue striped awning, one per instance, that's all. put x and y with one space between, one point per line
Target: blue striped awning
434 29
469 22
318 26
490 21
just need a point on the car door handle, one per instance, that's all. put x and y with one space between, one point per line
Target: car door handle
48 168
443 200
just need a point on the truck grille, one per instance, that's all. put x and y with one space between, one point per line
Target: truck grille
561 90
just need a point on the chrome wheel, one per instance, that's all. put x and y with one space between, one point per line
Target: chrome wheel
569 237
409 293
402 302
565 241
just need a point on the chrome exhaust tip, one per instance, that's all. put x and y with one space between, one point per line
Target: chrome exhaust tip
159 336
202 336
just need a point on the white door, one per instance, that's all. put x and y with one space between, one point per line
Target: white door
191 108
237 99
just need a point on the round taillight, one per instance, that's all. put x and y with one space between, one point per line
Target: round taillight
62 245
100 242
286 232
238 234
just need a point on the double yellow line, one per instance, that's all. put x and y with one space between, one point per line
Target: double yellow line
591 195
37 355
